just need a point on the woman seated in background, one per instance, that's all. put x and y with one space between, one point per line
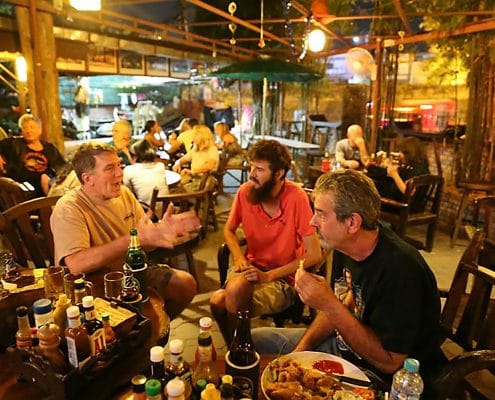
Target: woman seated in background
203 157
152 133
412 162
228 144
146 173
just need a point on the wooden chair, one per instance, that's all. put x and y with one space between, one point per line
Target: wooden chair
319 134
293 129
12 193
468 319
482 217
420 206
201 202
26 227
225 169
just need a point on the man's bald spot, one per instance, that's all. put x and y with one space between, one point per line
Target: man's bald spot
354 132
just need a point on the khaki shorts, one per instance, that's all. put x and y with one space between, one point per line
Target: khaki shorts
158 277
271 297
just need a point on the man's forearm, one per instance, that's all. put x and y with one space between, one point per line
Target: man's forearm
232 242
94 258
320 329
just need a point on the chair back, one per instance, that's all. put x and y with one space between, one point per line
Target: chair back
484 215
12 193
26 227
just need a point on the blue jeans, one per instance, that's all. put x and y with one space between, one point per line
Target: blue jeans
284 340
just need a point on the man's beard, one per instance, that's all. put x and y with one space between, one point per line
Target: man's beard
323 243
263 193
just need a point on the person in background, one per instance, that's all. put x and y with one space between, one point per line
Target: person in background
185 137
203 158
275 214
30 159
382 304
65 180
145 173
91 225
121 134
413 161
152 133
351 152
228 144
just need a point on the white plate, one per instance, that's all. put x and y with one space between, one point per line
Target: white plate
306 359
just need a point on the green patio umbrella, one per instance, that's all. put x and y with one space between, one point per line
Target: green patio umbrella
267 70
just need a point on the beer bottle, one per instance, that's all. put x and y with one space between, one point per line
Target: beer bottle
23 334
76 336
93 326
205 325
136 262
206 368
242 351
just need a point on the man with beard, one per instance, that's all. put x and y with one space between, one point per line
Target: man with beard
395 307
275 215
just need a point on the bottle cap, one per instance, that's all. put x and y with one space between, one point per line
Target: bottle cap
200 385
227 379
133 231
175 387
156 354
204 339
176 346
153 387
21 311
42 306
79 284
73 312
205 322
411 365
138 382
105 316
88 301
62 299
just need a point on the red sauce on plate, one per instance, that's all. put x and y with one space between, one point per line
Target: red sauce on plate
329 366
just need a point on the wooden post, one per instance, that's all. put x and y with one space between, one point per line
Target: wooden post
376 97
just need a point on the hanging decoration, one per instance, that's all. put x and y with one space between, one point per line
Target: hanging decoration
289 31
401 35
261 43
307 29
232 27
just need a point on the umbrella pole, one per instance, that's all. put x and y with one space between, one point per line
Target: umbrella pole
263 106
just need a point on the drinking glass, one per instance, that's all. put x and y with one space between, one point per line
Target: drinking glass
69 279
114 283
53 278
6 260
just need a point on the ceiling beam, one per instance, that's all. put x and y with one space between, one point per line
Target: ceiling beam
114 3
236 20
402 16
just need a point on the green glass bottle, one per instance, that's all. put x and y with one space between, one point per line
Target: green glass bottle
136 262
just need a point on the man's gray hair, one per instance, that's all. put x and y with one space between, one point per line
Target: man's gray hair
28 117
353 192
84 157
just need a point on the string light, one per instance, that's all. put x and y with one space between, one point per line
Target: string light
86 5
316 40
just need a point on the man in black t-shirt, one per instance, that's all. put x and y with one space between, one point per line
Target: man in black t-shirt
382 305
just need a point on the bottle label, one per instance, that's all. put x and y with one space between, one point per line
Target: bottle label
396 395
23 343
72 351
97 341
204 353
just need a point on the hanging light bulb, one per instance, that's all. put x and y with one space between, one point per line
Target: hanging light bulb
316 40
86 5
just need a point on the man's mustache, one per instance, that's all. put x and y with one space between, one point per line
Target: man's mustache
254 180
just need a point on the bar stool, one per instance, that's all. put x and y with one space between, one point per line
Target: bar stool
468 188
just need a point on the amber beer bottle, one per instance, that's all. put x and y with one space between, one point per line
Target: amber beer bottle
93 326
136 261
242 351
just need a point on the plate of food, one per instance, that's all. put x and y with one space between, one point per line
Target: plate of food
311 374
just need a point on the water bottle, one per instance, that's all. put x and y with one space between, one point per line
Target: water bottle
407 383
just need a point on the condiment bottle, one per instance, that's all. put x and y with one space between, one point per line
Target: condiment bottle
158 365
60 313
43 314
205 325
210 392
136 261
176 389
49 343
79 293
23 334
177 367
76 336
107 329
138 387
199 386
206 368
153 389
93 326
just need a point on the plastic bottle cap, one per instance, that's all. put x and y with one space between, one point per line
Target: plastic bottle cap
73 312
201 384
204 339
205 322
88 301
79 284
21 311
176 346
138 382
42 306
105 316
227 379
63 299
156 354
175 387
411 365
153 387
